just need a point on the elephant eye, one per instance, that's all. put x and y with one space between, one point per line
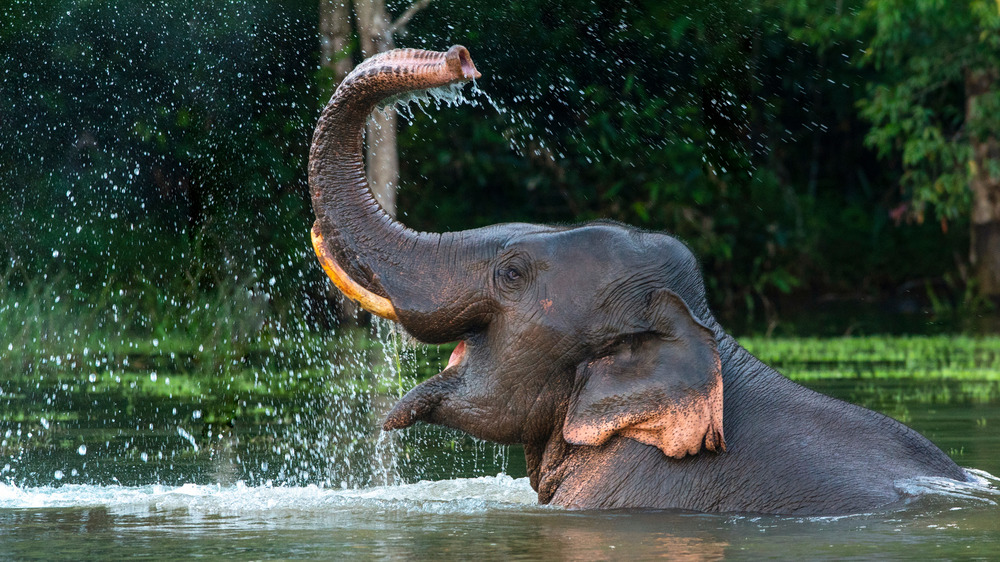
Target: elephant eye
510 278
513 274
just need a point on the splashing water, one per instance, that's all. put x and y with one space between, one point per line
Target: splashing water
516 129
304 410
450 95
983 488
466 495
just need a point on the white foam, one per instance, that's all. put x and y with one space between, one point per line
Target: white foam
981 487
464 495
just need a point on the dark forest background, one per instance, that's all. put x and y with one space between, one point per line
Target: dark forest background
820 158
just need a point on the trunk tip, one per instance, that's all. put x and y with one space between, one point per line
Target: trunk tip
460 61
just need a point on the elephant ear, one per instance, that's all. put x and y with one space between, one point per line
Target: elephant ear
662 387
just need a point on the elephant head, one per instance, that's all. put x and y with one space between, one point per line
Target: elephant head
584 332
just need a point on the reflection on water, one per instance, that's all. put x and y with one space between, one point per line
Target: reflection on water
494 517
111 469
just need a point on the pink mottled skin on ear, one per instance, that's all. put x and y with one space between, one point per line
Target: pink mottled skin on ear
627 394
683 429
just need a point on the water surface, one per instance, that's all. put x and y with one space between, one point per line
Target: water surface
144 474
489 517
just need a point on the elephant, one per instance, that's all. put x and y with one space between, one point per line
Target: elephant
592 345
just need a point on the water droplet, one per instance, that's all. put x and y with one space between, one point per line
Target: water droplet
82 450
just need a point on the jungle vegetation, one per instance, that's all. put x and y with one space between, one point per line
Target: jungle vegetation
818 157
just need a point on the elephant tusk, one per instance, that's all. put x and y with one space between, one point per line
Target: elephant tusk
379 306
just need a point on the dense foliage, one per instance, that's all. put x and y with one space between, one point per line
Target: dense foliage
156 145
163 144
917 99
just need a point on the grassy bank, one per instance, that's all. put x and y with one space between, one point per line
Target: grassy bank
234 343
954 357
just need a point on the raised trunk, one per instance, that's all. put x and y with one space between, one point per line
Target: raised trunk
985 184
416 272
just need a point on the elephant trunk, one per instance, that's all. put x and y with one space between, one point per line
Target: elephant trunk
390 269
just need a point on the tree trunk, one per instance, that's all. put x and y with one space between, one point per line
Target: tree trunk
985 248
383 162
334 35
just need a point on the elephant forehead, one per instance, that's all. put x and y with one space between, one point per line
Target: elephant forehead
613 249
585 244
608 265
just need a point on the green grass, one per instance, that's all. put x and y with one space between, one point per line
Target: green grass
191 337
956 357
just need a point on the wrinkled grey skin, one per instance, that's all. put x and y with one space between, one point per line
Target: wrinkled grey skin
789 450
537 307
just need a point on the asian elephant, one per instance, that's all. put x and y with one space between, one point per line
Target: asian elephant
592 345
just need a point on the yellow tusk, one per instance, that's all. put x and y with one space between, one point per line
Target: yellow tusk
369 301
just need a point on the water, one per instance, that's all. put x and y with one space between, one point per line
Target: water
455 497
492 517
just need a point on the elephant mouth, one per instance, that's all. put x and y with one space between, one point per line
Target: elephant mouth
457 355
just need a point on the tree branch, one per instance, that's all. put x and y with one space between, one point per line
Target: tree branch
408 15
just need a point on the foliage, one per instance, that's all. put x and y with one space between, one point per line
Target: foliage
164 144
707 121
921 53
144 139
918 104
642 112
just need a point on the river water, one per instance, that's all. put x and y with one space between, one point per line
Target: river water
471 500
484 517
